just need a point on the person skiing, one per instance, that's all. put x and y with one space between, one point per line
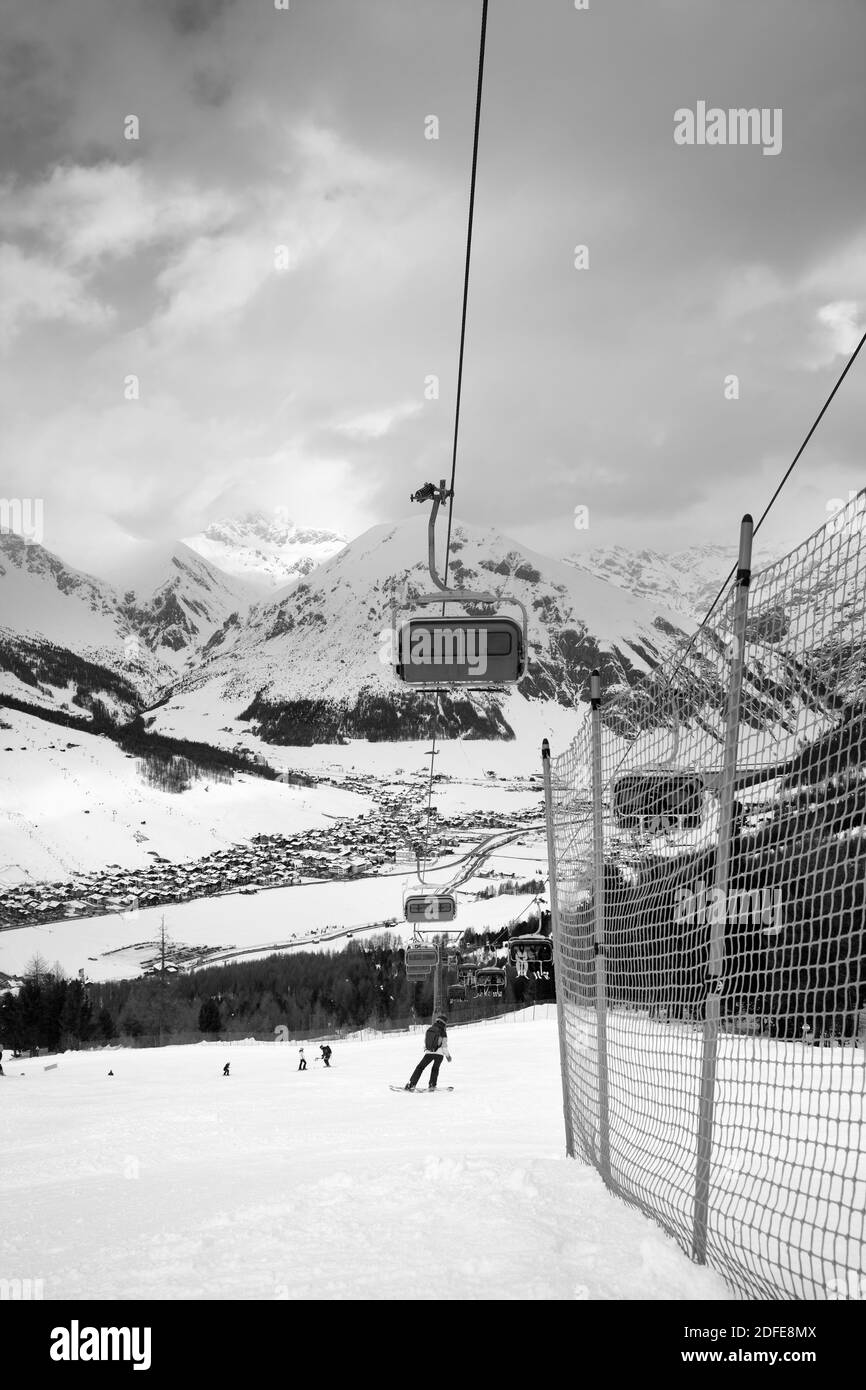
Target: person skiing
226 1068
326 1054
435 1047
302 1065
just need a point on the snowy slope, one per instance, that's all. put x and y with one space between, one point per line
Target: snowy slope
686 580
285 1185
40 595
72 801
51 614
266 551
325 640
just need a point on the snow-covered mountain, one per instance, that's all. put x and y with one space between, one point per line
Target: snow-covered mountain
313 664
188 607
67 637
266 551
686 581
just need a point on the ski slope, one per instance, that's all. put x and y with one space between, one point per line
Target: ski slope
171 1181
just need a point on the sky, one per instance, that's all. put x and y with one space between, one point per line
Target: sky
277 260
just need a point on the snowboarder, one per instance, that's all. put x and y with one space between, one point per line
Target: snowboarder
326 1054
302 1065
435 1047
226 1068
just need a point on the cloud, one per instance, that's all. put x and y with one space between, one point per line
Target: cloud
195 16
108 211
32 290
212 279
305 130
375 424
843 322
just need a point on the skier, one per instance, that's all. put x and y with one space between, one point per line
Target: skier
326 1054
435 1047
226 1068
302 1065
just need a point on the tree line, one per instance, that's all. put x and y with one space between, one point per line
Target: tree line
363 985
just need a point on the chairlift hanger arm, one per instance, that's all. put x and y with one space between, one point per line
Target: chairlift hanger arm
430 493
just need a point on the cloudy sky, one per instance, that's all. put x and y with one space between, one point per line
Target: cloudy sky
303 383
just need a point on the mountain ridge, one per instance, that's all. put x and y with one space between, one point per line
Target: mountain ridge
268 551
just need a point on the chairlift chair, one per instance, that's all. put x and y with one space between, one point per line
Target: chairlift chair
491 980
484 651
536 949
663 797
420 960
425 907
658 799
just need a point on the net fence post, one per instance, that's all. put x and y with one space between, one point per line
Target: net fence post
598 915
719 908
559 963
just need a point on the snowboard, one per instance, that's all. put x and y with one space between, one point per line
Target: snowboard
422 1090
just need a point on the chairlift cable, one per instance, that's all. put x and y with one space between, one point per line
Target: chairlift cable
466 280
478 92
789 470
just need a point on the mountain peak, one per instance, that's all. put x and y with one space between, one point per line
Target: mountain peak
266 549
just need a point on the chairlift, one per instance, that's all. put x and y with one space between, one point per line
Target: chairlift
660 799
421 907
456 994
486 650
466 972
420 960
490 980
529 952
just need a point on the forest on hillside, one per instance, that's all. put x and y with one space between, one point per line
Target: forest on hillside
305 992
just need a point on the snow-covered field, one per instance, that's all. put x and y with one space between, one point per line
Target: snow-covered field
169 1180
71 802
